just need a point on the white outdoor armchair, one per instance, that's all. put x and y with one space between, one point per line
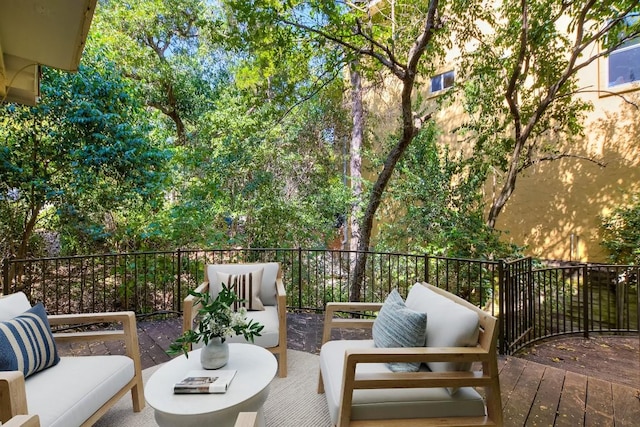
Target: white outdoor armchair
271 294
363 390
77 390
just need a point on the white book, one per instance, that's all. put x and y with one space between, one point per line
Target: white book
205 381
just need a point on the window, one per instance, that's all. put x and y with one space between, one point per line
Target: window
623 64
442 81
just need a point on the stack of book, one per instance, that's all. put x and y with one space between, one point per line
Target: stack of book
204 381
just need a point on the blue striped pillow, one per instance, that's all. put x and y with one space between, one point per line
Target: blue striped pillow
26 342
399 326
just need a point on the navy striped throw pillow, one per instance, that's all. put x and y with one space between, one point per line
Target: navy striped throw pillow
26 342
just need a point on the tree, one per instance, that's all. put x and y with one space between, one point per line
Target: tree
436 205
83 149
397 50
520 84
622 233
159 44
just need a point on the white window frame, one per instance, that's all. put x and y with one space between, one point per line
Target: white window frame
624 81
442 81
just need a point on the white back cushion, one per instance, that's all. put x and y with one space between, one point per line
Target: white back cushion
269 274
449 325
13 305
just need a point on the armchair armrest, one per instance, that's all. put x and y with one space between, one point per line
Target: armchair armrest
281 301
190 308
352 381
23 421
281 293
331 322
13 396
128 335
13 401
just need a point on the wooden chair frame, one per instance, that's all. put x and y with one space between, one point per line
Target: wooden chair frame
13 400
23 421
247 419
190 311
485 353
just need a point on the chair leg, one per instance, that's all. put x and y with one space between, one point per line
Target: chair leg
320 383
282 363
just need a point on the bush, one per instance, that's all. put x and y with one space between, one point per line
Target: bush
621 233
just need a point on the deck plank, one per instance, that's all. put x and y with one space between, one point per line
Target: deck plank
517 409
545 406
572 401
511 370
626 405
599 409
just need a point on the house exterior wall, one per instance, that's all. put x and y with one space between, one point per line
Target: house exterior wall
556 209
555 212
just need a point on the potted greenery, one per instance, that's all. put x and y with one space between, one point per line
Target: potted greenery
217 321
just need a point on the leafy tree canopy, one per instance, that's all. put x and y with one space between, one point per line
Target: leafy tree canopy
83 148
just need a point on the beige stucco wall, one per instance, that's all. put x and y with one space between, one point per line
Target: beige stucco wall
556 209
557 206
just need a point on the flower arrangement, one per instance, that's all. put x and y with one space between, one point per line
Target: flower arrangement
216 319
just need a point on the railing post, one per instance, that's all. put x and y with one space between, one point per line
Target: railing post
502 322
530 295
426 268
585 299
299 277
179 278
5 276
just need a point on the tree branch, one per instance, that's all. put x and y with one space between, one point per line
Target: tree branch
552 157
395 67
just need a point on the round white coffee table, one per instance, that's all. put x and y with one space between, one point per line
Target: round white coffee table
255 366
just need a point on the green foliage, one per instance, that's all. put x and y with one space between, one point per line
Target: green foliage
519 83
621 235
439 197
248 169
83 149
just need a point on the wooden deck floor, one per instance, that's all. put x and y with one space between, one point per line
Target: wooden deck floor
533 394
538 395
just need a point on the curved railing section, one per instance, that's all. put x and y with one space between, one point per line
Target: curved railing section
532 303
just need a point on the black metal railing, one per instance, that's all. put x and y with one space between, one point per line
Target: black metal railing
532 303
538 303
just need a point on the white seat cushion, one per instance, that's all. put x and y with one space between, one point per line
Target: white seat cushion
70 392
390 403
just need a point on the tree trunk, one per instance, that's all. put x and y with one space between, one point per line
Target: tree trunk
355 169
409 131
410 128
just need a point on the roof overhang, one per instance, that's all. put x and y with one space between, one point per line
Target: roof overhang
39 32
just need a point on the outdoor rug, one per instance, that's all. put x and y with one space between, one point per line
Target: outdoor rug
293 401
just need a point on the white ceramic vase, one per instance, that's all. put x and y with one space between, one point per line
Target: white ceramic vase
215 354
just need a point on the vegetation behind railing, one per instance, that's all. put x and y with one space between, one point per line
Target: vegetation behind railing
531 303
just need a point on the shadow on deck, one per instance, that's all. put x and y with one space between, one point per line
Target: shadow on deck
533 394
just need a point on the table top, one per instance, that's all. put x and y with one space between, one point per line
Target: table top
255 366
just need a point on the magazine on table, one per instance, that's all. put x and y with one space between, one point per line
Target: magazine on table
205 381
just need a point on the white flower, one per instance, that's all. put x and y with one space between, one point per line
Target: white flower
13 194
